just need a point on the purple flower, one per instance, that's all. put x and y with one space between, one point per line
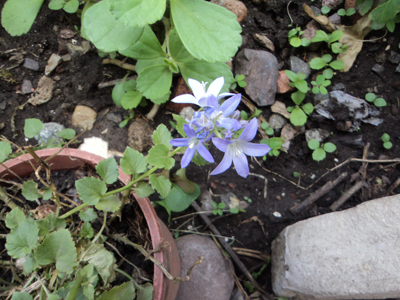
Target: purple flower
235 150
193 144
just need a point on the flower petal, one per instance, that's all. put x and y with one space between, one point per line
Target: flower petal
224 165
230 124
187 157
225 95
221 144
250 131
189 131
203 151
229 106
179 142
241 164
252 149
209 101
216 86
197 88
185 98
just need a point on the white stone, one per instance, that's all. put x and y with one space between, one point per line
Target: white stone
352 254
96 146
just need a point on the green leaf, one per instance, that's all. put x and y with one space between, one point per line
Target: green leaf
295 41
385 11
178 51
67 134
90 189
179 124
302 86
32 127
196 22
380 102
323 90
313 144
133 162
30 264
18 16
317 63
158 157
87 215
390 25
320 79
305 42
385 138
341 12
154 81
107 34
143 190
147 47
108 170
125 291
58 247
319 154
326 83
118 91
145 292
141 64
71 6
16 216
351 11
329 147
162 99
364 6
275 143
335 36
315 89
327 57
320 36
291 75
292 32
162 136
290 108
387 145
328 73
269 131
138 12
207 72
370 97
298 97
30 191
161 184
5 151
325 9
21 296
177 200
110 203
57 4
22 239
131 99
87 230
49 224
183 182
308 108
337 64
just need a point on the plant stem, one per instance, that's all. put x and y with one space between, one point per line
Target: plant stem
74 210
101 229
6 199
129 277
152 113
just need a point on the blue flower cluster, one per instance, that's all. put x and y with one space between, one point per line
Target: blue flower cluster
220 122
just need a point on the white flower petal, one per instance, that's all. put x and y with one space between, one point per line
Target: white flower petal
198 89
216 86
185 98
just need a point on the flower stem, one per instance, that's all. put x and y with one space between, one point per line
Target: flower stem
101 229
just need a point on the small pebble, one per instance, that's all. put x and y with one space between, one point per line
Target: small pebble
3 105
336 160
313 176
378 69
31 64
277 214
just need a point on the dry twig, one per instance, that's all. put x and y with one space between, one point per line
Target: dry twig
350 192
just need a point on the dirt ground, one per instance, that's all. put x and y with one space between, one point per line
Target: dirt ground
77 84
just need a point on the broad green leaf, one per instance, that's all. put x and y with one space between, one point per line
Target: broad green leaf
370 97
16 216
313 144
380 102
138 12
337 64
32 127
329 147
308 108
87 215
385 138
327 57
58 247
387 145
162 99
302 86
53 297
133 162
295 41
320 79
154 81
102 259
315 89
87 230
118 91
364 6
390 26
179 124
298 97
320 36
292 32
5 150
305 42
125 291
318 154
18 16
131 99
335 36
177 200
29 191
350 11
325 9
207 72
21 296
50 223
290 108
275 143
143 190
328 73
208 31
161 184
105 32
30 264
183 182
326 83
323 90
147 47
108 170
341 12
317 63
298 117
90 189
158 157
177 49
22 239
110 203
145 292
57 4
67 134
71 6
199 160
269 131
291 75
142 64
385 11
162 136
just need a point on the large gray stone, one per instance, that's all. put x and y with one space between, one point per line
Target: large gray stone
261 71
210 280
352 254
297 65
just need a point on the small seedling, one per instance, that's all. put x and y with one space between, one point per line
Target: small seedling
128 118
320 150
298 115
298 81
320 84
319 63
275 143
238 81
268 130
218 208
247 199
349 12
386 141
295 40
379 102
297 175
325 10
331 39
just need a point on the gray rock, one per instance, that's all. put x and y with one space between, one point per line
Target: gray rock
48 132
78 50
116 118
318 98
297 65
210 280
319 134
394 57
332 4
26 87
378 69
352 254
358 108
236 295
53 62
276 121
398 69
335 19
264 41
31 64
338 87
261 71
205 199
3 105
139 135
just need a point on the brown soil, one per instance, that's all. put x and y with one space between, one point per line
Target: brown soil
78 84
